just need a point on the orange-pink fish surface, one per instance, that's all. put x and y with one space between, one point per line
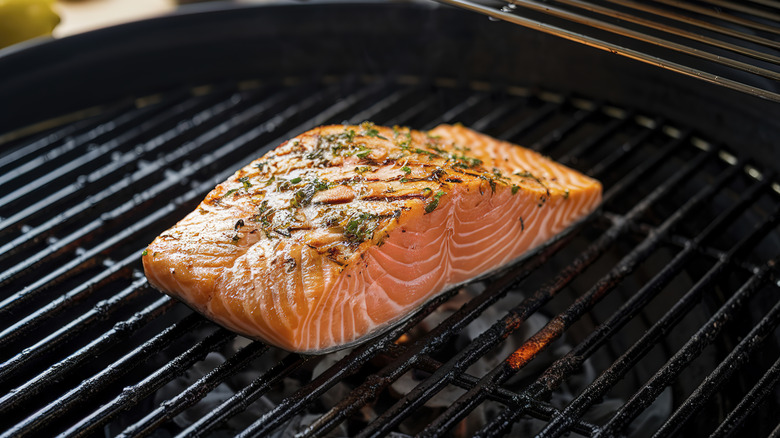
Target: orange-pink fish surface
343 231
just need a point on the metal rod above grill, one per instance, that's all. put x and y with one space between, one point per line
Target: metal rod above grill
725 43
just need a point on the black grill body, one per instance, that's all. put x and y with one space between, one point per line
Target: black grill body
656 316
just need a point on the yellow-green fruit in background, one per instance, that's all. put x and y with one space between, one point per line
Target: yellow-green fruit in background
21 20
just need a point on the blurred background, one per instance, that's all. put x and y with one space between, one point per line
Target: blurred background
24 20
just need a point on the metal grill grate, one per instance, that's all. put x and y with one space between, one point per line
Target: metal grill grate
732 44
679 260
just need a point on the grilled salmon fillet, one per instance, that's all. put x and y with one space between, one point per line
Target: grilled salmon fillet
341 232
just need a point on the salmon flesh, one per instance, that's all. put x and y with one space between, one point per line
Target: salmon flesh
343 231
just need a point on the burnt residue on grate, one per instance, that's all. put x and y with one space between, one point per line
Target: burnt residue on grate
656 315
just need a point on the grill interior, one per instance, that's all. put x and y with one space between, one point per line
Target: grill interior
656 316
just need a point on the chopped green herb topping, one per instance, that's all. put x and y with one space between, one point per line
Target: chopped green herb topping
369 130
146 251
245 181
431 155
434 202
407 170
527 174
362 169
296 180
229 192
515 189
303 197
361 227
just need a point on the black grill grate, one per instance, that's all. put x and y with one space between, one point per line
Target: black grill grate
680 261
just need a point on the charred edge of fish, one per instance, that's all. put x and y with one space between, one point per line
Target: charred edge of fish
291 264
385 198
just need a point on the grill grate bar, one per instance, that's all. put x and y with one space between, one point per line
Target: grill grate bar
736 358
81 261
23 326
540 409
196 391
617 370
692 348
626 148
534 120
561 322
131 395
518 314
243 398
72 398
57 339
145 172
489 119
91 155
594 140
96 178
554 375
554 136
119 331
414 111
382 105
460 108
765 386
104 125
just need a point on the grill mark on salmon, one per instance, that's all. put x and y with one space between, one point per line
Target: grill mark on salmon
341 232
